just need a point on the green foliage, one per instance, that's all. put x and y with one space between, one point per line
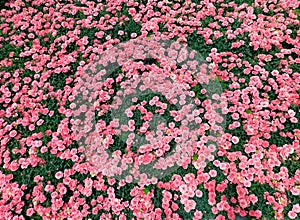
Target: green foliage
2 3
195 157
58 81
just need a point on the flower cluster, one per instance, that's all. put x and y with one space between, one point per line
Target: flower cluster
61 107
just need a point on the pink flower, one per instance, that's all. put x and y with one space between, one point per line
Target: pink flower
12 133
199 193
59 175
30 212
296 208
190 205
294 120
292 215
243 203
183 188
198 214
44 149
129 113
133 35
31 127
213 173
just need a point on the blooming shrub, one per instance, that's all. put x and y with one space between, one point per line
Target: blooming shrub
252 50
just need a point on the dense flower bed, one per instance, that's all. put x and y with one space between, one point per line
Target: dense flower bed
252 51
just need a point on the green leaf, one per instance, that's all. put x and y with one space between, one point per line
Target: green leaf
146 190
124 136
195 157
248 111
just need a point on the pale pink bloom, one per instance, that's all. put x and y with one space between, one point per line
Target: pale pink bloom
294 120
296 208
59 175
292 215
12 133
213 173
235 140
199 193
